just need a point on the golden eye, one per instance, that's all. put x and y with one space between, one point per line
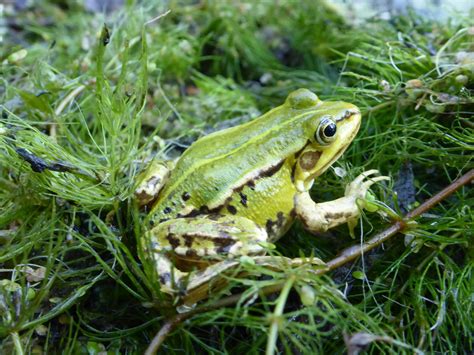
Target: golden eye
326 132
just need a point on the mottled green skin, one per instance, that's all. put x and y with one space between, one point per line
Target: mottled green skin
247 170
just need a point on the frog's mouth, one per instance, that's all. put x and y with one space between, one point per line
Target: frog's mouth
316 159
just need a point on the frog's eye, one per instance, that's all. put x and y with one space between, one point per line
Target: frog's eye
326 132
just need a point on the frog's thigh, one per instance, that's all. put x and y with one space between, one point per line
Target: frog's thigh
319 217
210 237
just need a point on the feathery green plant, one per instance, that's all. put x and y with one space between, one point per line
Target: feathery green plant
84 111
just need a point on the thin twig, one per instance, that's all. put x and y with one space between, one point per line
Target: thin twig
71 96
157 17
344 257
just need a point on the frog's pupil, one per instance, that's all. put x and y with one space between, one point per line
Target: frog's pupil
330 130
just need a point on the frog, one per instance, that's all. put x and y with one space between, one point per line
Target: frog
235 192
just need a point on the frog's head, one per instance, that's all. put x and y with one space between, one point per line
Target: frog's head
330 127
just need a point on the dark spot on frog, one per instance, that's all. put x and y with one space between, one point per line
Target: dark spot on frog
309 159
167 210
191 253
224 249
193 213
330 215
154 181
293 169
174 242
185 196
278 223
272 170
293 213
188 240
231 209
215 217
224 244
337 215
280 219
243 199
202 210
269 226
165 278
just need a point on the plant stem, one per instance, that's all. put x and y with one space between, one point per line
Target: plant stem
276 318
17 343
344 257
355 251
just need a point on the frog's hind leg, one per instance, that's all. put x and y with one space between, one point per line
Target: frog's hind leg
204 281
206 247
180 245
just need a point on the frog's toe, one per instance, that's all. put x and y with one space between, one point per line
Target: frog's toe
359 187
358 180
366 185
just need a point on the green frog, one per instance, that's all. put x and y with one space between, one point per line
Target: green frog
234 192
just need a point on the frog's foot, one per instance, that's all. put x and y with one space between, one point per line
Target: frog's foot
358 188
319 217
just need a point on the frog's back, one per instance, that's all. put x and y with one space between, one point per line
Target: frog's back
221 163
227 140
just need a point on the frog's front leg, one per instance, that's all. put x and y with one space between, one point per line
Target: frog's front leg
319 217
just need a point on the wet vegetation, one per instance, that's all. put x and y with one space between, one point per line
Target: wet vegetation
85 106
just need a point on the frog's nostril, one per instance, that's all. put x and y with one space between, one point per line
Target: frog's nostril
347 114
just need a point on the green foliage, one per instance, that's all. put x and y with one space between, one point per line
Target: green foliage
85 106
